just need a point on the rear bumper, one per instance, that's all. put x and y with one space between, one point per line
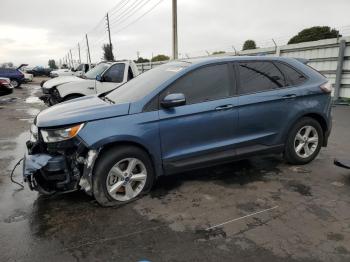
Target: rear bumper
5 90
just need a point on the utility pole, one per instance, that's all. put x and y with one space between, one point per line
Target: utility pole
109 34
175 40
71 57
79 53
88 49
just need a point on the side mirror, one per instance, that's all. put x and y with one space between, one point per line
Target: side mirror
173 100
99 78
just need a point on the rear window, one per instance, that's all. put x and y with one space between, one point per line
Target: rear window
259 76
293 77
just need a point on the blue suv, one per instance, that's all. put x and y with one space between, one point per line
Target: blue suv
179 116
15 76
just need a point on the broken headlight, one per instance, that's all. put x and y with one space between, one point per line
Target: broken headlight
61 134
33 133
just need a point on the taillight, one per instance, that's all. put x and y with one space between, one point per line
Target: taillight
3 81
327 87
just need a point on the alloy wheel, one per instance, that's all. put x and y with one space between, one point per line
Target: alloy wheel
306 141
126 179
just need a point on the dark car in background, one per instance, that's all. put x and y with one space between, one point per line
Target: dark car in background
40 71
14 74
5 86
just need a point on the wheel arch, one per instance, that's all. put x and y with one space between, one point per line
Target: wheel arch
72 95
124 143
316 116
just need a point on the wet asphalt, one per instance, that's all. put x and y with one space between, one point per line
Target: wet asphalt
252 210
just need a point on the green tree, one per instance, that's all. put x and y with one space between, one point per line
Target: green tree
158 58
218 53
313 34
142 60
249 44
108 52
52 64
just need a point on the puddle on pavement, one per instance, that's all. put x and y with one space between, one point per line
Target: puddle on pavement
34 100
14 151
8 100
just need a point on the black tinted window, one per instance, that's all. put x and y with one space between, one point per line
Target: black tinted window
204 84
115 74
293 77
259 76
130 74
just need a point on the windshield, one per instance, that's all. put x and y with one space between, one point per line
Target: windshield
98 70
145 83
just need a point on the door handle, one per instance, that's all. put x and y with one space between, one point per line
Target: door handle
225 107
289 96
92 88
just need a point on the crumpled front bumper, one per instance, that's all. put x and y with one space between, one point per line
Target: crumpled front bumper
58 172
50 96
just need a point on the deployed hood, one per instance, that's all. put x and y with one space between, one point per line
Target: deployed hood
61 80
80 110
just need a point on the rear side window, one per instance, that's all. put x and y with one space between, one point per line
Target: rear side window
115 74
293 77
259 76
130 74
204 84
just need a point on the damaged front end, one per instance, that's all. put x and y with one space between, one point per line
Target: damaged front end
58 161
50 96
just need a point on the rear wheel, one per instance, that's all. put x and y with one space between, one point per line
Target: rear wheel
304 141
15 83
121 175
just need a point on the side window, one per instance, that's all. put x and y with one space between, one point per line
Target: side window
204 84
293 77
259 76
115 74
130 74
80 68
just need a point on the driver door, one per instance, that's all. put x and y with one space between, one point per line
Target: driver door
111 79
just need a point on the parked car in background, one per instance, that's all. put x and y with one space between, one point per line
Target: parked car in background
27 77
15 75
105 77
177 117
78 71
5 86
39 71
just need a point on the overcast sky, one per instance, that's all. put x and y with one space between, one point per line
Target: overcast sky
37 30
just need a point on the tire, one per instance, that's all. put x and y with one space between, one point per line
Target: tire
301 146
71 97
15 83
104 179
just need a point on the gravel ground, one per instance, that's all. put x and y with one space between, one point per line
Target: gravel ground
253 210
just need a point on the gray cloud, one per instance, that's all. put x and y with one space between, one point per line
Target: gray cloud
203 25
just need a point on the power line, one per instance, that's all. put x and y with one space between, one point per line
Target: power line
140 17
120 7
135 7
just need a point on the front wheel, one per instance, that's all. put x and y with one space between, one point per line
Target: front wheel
304 142
121 175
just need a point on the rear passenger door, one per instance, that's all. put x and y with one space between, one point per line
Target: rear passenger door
266 101
203 130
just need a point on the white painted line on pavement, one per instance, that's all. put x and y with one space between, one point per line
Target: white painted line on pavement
239 218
